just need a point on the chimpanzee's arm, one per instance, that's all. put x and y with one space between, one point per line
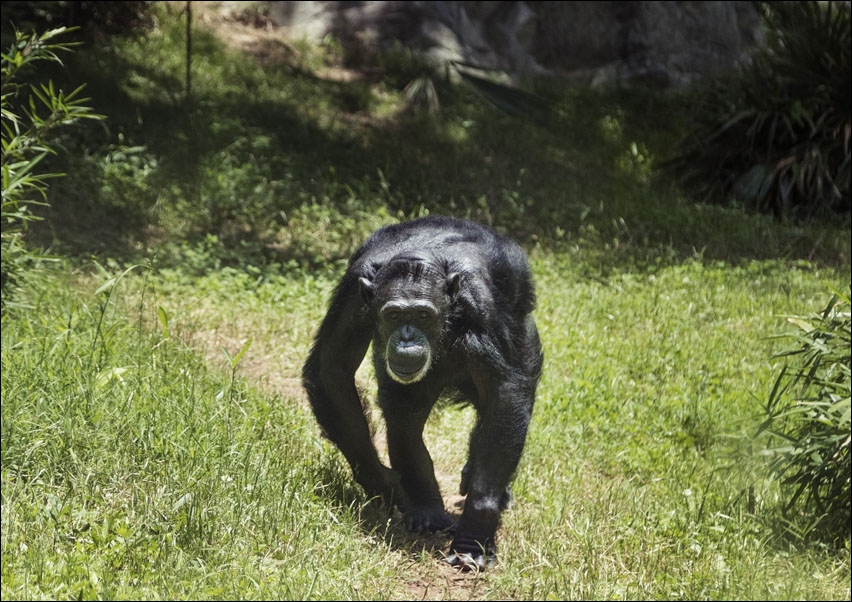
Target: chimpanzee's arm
329 379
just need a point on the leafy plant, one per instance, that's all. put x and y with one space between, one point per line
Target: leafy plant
776 135
809 412
30 114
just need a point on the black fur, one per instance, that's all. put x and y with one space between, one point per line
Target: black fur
483 343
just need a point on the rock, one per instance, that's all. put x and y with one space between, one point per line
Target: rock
662 44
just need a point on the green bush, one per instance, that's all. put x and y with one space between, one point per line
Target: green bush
776 135
809 416
30 115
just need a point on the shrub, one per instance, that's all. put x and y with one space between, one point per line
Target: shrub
30 114
809 414
776 135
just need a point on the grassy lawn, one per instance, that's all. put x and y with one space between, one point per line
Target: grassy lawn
156 442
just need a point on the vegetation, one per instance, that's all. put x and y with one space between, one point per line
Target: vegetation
809 411
776 135
30 115
155 438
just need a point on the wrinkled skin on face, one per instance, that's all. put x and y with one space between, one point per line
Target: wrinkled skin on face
408 352
411 295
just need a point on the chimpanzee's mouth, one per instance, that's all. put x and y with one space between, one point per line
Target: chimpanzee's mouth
408 373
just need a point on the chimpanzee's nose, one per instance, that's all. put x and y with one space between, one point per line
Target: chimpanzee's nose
407 332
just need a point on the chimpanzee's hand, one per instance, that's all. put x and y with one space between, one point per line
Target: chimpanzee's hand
384 485
419 518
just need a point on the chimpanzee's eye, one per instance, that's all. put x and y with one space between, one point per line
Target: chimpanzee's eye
423 316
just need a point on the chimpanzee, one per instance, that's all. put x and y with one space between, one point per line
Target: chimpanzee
447 305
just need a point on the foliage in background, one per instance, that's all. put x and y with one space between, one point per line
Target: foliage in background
30 115
268 146
776 136
809 413
96 20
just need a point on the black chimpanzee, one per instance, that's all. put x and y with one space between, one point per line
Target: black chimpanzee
447 305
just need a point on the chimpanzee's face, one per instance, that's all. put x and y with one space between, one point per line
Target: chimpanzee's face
411 307
410 329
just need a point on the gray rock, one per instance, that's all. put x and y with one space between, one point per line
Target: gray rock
605 43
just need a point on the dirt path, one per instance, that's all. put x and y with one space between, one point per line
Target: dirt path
274 363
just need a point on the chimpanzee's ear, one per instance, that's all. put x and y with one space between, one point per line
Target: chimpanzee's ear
453 285
367 290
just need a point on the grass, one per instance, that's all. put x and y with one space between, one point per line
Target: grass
155 438
131 469
137 473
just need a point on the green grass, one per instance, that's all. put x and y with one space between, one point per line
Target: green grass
156 442
130 469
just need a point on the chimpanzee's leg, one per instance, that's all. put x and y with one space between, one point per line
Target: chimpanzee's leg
406 408
495 449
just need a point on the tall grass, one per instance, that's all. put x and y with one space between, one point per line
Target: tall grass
808 411
131 471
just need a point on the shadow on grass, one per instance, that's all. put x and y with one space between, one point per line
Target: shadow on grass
345 498
247 155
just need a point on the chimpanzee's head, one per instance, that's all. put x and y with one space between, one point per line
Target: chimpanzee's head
411 295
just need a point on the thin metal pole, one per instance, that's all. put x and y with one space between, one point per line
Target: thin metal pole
188 50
